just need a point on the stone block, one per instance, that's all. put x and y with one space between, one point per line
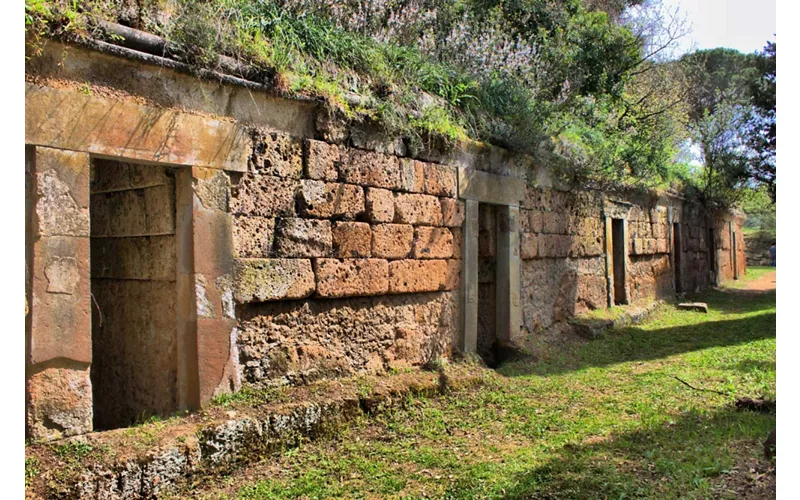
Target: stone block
554 223
261 280
303 238
528 246
458 242
585 246
321 160
412 175
277 154
554 245
211 241
453 278
536 221
440 180
412 276
693 306
264 196
524 221
327 200
59 403
432 243
380 205
417 209
211 187
351 277
367 168
392 241
452 212
62 193
662 245
253 236
216 371
352 240
60 309
114 128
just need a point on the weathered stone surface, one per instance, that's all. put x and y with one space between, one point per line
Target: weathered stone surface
303 238
136 212
453 278
452 212
417 209
300 341
253 236
528 246
264 196
554 223
121 175
59 403
62 192
352 239
432 243
392 241
134 342
259 280
211 187
412 175
277 154
440 180
380 205
321 160
142 257
536 222
458 242
412 276
60 309
66 119
489 188
351 277
370 169
330 200
586 246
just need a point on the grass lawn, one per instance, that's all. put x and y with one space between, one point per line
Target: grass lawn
605 420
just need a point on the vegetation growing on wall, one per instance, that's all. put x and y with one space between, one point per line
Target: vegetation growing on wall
585 86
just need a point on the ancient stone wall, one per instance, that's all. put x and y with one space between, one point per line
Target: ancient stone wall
320 227
304 249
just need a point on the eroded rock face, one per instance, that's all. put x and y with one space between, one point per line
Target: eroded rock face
352 240
59 403
296 237
302 341
417 209
326 200
392 241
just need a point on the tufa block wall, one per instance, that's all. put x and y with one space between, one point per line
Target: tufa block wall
313 221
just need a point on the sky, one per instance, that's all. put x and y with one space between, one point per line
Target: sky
745 25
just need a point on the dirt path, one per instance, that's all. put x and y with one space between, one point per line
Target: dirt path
764 283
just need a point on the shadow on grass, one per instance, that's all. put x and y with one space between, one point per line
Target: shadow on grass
691 452
637 344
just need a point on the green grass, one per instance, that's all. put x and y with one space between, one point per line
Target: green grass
606 419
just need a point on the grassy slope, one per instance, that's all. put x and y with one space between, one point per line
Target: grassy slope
606 420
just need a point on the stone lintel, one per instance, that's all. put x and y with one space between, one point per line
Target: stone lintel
69 120
489 188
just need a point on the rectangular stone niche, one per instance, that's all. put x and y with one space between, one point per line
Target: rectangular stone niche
134 289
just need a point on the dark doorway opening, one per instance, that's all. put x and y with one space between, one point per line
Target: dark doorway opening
619 253
134 290
676 251
487 267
